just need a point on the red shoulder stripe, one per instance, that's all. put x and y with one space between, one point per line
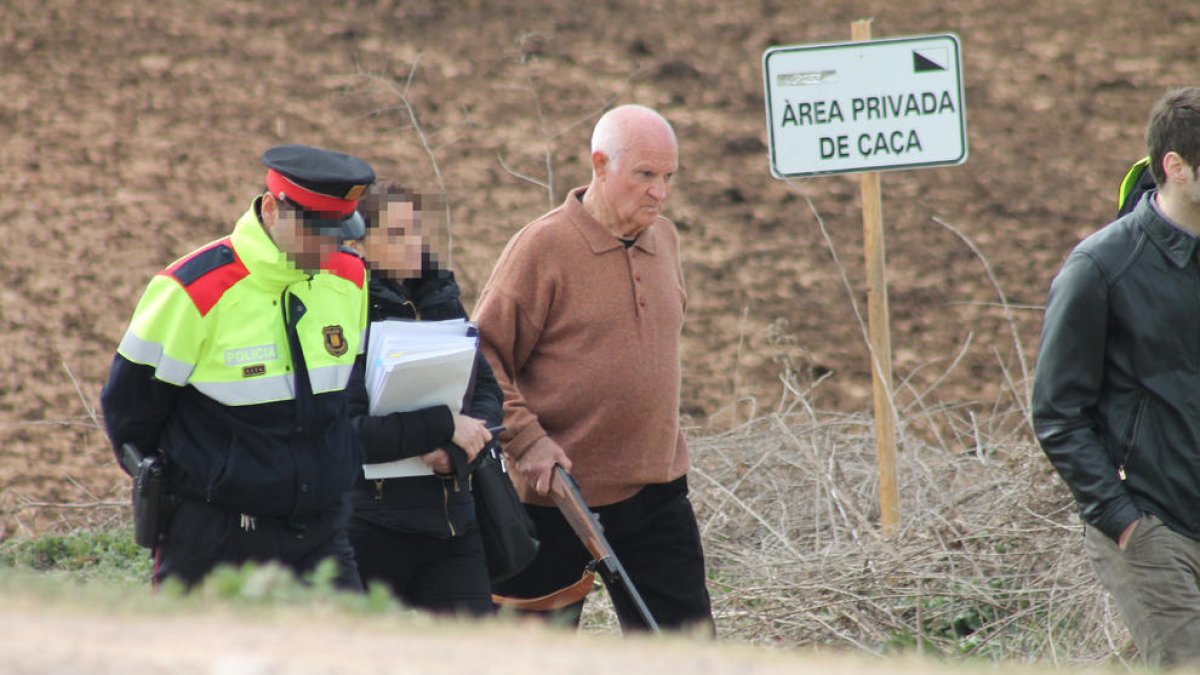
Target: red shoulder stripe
207 273
346 266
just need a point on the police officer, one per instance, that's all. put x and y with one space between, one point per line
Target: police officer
234 367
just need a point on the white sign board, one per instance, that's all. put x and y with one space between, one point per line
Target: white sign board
865 106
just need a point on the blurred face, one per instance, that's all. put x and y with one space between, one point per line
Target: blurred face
303 246
394 246
637 182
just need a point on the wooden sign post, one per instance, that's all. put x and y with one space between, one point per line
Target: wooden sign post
879 333
866 106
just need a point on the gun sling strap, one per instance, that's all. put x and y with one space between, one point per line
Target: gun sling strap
563 597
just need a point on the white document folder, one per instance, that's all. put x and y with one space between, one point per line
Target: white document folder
413 365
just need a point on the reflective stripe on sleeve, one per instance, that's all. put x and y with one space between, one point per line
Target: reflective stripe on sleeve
147 353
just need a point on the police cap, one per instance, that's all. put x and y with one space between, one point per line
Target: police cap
324 184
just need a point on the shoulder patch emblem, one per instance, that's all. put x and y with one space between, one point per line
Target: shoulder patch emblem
335 340
206 274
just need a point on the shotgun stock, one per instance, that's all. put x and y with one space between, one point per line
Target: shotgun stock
625 597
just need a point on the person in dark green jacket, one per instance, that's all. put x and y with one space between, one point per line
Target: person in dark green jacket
417 532
1116 397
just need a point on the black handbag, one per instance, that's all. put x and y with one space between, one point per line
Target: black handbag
509 538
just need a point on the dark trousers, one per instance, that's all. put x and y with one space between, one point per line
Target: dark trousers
201 536
654 535
441 575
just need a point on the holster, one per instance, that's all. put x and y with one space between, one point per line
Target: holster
152 505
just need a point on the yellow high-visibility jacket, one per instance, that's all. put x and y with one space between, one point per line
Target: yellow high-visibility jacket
235 365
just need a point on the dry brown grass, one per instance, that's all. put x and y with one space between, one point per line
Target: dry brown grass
987 560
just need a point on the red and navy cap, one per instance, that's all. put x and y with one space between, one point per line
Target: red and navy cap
326 185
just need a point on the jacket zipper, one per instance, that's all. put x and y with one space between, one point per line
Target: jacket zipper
446 508
378 490
1137 422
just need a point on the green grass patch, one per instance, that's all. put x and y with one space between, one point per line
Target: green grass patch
106 565
108 555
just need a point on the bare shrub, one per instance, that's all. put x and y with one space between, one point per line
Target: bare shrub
987 560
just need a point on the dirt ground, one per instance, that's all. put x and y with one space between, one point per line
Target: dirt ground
68 638
130 133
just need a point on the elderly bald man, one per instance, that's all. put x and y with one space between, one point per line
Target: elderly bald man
581 321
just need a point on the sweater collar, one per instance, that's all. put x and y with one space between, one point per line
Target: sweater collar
265 262
598 238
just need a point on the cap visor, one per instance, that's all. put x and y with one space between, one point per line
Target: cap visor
350 227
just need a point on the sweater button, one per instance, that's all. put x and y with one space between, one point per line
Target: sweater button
642 302
304 487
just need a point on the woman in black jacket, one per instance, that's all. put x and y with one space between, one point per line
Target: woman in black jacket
417 533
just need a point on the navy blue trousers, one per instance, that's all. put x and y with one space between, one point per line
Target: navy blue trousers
201 536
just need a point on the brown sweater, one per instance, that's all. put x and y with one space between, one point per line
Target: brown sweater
583 334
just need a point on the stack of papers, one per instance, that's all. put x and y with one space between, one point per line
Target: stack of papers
413 365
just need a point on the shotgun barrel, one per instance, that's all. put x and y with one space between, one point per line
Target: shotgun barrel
626 599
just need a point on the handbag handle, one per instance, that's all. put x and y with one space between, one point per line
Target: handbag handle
458 456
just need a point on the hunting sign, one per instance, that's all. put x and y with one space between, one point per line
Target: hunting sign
869 105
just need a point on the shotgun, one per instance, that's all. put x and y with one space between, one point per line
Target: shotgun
625 597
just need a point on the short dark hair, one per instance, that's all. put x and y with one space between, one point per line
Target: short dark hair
1174 126
374 203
